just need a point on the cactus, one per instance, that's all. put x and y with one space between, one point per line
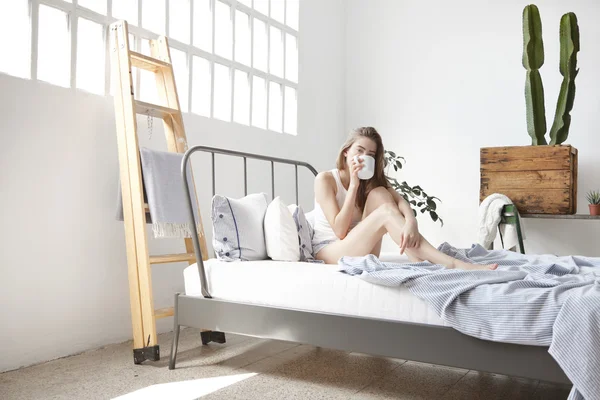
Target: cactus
533 59
569 46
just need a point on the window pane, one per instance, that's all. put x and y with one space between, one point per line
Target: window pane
90 56
262 6
259 103
222 95
153 16
291 58
278 10
260 45
275 107
246 2
95 5
126 9
223 30
241 98
276 55
147 90
180 70
14 24
243 38
292 13
291 111
54 47
203 25
201 87
179 20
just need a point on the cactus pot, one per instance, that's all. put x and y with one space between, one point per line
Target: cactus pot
538 179
594 209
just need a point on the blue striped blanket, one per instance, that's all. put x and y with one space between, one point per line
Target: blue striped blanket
540 300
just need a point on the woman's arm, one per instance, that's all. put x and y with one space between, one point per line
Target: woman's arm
325 194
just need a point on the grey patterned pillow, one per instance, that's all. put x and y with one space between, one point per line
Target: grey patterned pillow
238 232
305 232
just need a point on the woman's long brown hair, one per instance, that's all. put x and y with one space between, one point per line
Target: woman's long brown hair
378 178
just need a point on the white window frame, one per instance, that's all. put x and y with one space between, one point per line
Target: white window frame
74 11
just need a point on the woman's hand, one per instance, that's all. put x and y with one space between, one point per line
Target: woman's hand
410 236
354 168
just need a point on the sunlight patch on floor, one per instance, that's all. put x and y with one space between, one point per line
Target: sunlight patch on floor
185 390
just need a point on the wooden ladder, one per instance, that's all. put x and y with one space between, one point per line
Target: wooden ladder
143 314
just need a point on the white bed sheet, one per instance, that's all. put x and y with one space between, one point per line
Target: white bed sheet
308 286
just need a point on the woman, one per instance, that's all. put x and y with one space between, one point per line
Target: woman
352 215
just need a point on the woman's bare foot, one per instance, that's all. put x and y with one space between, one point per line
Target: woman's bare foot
474 267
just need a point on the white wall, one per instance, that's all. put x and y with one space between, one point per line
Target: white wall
63 272
442 79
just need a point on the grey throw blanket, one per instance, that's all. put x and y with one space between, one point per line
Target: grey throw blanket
163 189
540 300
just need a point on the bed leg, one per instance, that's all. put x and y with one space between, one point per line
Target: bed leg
176 329
212 336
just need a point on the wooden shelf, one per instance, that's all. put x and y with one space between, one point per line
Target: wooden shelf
550 216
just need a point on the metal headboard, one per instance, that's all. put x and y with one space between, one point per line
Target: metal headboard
245 156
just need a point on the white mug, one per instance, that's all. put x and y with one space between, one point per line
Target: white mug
368 169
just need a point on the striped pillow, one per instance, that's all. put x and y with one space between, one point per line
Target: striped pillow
238 233
305 232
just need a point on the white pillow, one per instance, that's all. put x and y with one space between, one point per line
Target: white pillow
281 235
238 232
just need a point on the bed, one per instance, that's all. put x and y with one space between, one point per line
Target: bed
316 304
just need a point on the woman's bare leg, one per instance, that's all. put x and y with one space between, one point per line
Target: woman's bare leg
376 199
381 219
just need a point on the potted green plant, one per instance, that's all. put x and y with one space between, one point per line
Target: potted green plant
593 197
541 178
414 195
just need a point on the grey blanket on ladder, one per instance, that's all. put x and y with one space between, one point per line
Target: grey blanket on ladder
163 190
540 300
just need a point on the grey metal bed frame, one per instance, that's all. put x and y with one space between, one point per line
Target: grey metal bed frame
418 342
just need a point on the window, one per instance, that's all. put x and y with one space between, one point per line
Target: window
223 30
233 60
275 107
203 22
14 24
179 20
259 103
90 56
241 98
98 6
54 47
260 45
201 78
222 93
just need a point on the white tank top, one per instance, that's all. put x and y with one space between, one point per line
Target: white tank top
323 230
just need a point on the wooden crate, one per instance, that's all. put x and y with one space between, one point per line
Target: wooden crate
538 179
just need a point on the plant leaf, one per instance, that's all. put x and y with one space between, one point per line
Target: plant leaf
433 215
431 204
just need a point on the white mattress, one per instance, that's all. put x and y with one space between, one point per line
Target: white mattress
308 286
